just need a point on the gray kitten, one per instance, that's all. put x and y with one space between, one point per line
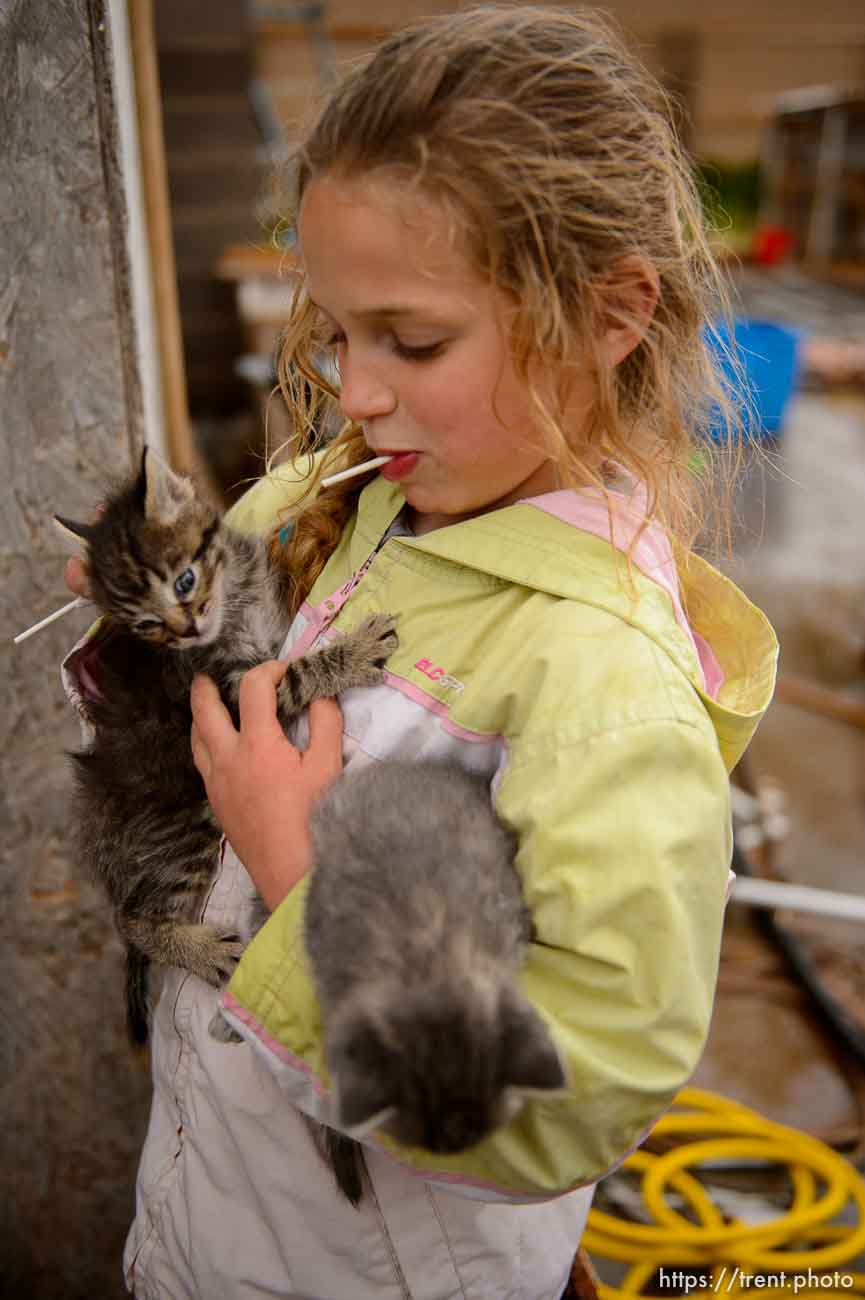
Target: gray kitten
184 594
415 929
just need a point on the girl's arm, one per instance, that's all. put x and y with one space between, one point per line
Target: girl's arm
261 788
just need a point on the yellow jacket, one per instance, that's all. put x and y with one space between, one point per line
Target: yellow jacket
607 721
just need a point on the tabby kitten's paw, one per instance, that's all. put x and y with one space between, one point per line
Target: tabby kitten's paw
367 648
203 950
213 954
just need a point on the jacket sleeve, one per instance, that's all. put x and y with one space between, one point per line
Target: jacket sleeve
624 857
625 846
257 511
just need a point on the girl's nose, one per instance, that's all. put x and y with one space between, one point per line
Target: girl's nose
363 393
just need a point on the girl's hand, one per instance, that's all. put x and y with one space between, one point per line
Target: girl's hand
262 788
75 573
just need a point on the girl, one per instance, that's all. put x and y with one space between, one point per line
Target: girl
501 245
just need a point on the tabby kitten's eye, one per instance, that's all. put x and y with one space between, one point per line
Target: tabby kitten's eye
184 584
146 625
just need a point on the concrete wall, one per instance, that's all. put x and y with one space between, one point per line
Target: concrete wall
72 1097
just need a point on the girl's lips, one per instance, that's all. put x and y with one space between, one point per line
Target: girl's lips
402 464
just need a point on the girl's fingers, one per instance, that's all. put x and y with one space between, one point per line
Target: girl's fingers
212 724
325 739
75 573
76 578
258 695
216 742
200 754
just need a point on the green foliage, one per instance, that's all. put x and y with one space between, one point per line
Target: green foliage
730 193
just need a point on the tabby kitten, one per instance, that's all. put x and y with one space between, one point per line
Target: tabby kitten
415 928
184 594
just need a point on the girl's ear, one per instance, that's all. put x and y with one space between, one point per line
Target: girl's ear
628 295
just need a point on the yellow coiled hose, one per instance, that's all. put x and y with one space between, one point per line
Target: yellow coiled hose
798 1253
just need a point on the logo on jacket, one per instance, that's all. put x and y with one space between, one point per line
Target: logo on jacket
438 675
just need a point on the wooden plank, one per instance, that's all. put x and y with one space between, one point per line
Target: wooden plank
815 698
213 385
198 248
203 23
289 32
235 216
154 178
240 261
204 325
190 125
679 54
205 293
200 183
197 71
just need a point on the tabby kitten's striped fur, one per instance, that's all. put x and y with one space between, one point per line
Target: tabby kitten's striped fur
184 594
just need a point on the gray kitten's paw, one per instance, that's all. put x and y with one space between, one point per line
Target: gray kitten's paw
221 1030
369 645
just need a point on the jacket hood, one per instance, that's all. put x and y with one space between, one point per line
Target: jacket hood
716 637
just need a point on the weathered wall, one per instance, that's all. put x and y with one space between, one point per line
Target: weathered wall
72 1097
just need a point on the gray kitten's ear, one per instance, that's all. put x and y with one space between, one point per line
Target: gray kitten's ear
530 1061
76 537
364 1100
377 1120
162 492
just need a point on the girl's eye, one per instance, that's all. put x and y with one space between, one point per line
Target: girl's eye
146 625
407 351
418 352
184 584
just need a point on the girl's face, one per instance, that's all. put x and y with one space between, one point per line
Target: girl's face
420 342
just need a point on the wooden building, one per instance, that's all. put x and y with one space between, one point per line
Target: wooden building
814 172
232 73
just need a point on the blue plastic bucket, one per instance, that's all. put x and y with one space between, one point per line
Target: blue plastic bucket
763 376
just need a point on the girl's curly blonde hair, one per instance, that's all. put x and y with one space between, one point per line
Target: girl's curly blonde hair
551 148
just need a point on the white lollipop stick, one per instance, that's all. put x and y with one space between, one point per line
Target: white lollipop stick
79 600
58 613
355 469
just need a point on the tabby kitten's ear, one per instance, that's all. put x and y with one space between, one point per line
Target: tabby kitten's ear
529 1061
76 537
162 493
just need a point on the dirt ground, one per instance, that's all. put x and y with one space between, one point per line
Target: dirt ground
800 554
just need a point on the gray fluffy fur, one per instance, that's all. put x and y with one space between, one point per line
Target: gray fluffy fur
415 929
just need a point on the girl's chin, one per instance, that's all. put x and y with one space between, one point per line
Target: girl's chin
432 498
429 501
429 513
